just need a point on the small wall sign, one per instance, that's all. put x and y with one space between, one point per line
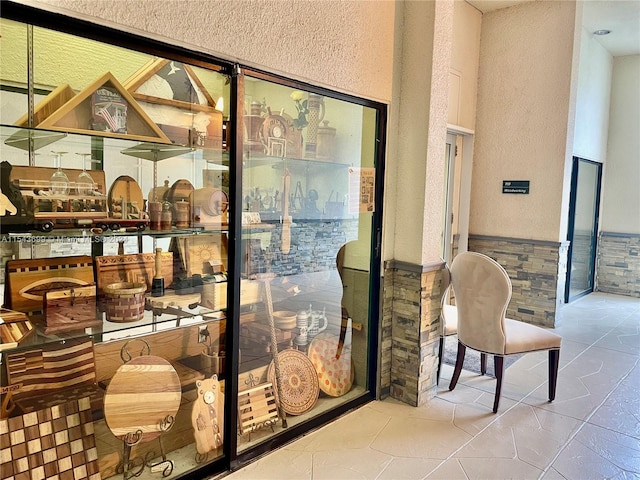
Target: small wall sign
515 186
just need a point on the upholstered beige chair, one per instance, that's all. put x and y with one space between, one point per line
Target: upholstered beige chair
483 291
449 322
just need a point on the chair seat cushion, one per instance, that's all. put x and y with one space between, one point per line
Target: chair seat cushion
450 319
523 337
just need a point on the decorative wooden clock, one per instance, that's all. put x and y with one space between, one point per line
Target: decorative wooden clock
279 136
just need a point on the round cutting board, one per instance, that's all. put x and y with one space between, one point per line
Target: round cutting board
298 382
140 396
334 376
127 188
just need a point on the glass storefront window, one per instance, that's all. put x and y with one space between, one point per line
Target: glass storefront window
116 254
308 204
141 241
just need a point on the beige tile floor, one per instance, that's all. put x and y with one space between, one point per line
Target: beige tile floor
591 430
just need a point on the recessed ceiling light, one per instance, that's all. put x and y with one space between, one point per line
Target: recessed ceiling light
602 32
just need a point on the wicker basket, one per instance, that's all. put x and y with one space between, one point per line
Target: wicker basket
124 302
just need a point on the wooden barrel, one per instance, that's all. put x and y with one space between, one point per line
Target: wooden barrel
124 302
179 191
212 201
182 214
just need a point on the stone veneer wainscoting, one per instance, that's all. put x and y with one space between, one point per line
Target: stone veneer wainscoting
618 267
537 270
410 331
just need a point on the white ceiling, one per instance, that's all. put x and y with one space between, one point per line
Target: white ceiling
622 17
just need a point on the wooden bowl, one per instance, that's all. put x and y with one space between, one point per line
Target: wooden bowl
284 319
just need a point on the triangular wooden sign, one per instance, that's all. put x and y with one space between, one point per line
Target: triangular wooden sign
180 85
105 108
45 107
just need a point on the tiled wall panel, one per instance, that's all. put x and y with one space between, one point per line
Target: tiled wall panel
537 270
411 319
618 267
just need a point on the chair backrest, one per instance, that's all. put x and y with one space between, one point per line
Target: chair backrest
483 291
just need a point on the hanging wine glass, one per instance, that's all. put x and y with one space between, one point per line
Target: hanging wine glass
59 179
85 183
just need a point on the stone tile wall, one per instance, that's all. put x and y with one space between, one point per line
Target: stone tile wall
314 246
618 264
537 270
410 326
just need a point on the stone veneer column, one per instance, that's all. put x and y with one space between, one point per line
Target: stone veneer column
410 331
538 271
618 267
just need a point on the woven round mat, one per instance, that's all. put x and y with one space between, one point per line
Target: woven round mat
298 382
334 376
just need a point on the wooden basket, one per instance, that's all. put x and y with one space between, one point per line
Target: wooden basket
124 301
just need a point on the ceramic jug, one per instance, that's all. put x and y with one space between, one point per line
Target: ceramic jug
302 323
317 324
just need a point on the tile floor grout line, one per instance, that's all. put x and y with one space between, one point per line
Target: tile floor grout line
517 402
375 437
521 401
586 421
498 416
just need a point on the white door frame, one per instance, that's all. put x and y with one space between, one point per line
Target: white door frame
465 183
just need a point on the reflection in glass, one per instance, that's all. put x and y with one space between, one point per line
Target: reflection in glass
584 232
308 201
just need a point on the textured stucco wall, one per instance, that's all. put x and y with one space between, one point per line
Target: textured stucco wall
524 107
418 168
593 98
343 44
621 195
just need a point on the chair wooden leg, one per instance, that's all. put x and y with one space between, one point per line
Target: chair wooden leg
498 366
483 363
459 360
554 360
440 355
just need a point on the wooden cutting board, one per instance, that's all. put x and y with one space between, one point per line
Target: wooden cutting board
298 382
10 316
126 189
28 280
137 267
204 254
335 376
140 396
11 334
